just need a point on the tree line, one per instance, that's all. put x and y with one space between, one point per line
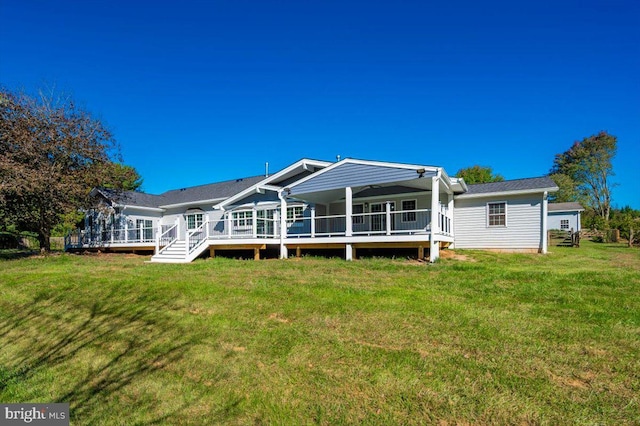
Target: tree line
52 153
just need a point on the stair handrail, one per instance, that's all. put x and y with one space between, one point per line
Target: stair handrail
195 237
165 237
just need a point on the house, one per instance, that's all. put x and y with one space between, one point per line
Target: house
313 205
565 216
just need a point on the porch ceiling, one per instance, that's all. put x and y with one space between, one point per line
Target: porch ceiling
337 194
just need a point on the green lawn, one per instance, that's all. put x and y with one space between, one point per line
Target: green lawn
494 339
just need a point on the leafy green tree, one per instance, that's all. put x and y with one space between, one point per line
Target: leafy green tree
627 220
584 172
478 174
51 154
121 177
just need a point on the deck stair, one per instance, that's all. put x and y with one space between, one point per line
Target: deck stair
173 253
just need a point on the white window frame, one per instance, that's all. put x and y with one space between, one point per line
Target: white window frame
196 220
294 219
564 224
358 220
489 225
242 219
405 218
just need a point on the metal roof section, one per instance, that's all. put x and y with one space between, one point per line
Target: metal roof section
565 207
516 186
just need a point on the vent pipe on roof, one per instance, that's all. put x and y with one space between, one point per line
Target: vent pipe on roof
266 169
338 158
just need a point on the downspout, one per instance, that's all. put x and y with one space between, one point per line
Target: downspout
544 222
283 224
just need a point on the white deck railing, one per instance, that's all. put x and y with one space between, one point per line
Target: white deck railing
407 222
82 238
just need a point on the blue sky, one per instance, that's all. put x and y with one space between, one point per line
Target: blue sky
203 91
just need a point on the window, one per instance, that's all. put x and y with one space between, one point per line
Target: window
194 220
358 209
409 216
243 218
564 224
294 214
144 230
497 214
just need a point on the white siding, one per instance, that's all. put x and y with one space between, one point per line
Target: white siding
572 217
523 230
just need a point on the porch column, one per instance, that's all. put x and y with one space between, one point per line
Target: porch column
283 226
348 254
206 226
229 224
254 223
388 217
126 231
543 231
158 233
348 208
450 211
313 222
177 228
434 246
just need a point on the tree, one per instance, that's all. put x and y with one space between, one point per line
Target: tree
51 154
583 172
478 174
121 177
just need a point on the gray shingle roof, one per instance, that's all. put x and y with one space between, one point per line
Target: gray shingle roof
209 191
563 207
131 198
543 182
185 195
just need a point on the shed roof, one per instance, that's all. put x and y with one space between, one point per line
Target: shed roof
528 185
565 207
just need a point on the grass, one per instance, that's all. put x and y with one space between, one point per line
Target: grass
494 339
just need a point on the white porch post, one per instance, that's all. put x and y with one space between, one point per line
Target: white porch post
206 226
178 227
451 215
158 233
126 231
434 246
545 208
313 222
254 223
283 226
348 209
229 223
388 216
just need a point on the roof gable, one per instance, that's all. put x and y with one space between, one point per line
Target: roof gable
359 173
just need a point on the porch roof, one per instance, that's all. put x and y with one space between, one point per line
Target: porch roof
361 175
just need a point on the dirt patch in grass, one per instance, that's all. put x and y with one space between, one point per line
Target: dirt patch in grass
451 254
